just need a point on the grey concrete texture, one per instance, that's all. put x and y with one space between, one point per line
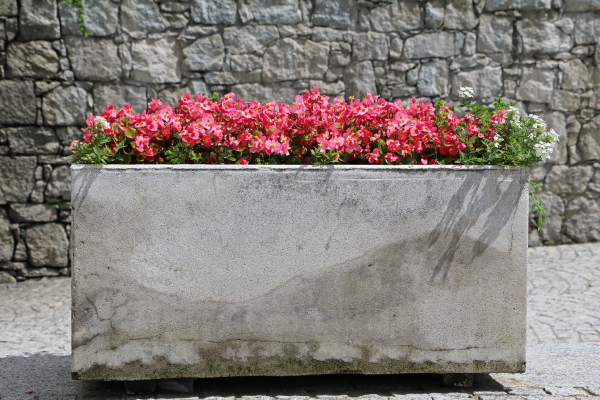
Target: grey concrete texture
291 270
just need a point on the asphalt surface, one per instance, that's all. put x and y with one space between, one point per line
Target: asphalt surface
563 353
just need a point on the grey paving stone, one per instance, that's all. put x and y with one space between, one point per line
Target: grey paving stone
525 391
564 391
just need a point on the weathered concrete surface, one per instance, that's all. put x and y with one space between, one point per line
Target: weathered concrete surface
194 271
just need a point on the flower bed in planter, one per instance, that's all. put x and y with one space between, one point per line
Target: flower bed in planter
224 270
396 260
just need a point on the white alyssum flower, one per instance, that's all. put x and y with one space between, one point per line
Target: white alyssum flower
466 92
546 144
497 140
513 116
102 122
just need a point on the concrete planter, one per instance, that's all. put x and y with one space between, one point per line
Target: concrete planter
206 271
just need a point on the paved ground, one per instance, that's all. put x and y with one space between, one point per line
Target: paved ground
563 360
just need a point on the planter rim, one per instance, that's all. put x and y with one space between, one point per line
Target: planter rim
225 167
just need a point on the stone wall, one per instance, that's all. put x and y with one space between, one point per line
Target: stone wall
541 54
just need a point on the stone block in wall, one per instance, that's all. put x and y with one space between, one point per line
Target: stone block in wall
563 100
565 24
525 5
5 277
59 186
273 12
555 212
400 15
172 94
438 44
42 87
18 178
32 140
35 59
249 39
582 219
589 142
294 31
339 14
459 14
214 12
119 95
141 17
48 245
205 54
174 7
65 105
575 75
29 272
245 63
582 5
556 121
156 60
192 33
434 14
7 241
486 82
221 78
100 18
360 79
38 19
93 59
9 8
370 46
264 93
321 34
573 129
37 195
289 60
331 89
17 102
586 28
536 85
433 78
177 21
568 180
495 34
542 37
27 212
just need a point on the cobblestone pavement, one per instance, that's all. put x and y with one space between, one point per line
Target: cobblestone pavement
563 360
564 294
36 316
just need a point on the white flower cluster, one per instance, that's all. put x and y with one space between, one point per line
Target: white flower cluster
545 147
102 121
465 92
513 116
538 124
497 140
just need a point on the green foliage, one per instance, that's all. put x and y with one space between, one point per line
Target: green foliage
537 203
101 151
80 13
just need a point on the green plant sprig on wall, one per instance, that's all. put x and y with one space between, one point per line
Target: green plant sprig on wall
80 12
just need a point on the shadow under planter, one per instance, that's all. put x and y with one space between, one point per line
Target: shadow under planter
213 271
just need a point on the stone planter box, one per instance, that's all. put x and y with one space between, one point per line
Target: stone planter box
209 271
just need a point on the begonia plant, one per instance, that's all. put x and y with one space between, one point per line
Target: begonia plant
315 130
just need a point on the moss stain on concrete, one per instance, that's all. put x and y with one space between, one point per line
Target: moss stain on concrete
291 366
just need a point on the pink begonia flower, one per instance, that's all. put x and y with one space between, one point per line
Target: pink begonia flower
391 157
374 156
272 146
87 137
141 142
90 120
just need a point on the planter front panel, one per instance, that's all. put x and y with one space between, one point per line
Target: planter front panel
198 271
